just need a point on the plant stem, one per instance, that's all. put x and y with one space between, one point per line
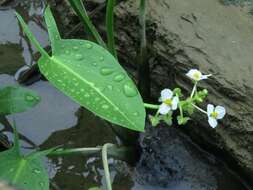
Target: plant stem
110 27
143 65
80 10
151 106
106 167
194 89
83 151
198 108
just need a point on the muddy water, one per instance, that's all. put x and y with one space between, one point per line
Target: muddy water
58 121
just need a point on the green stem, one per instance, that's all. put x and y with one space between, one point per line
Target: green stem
180 107
83 151
106 167
110 27
80 10
143 65
151 106
198 108
194 89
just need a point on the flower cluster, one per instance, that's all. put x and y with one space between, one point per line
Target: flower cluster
172 100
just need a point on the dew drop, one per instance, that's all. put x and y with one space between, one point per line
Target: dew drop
79 57
101 58
29 98
136 114
105 106
129 90
94 64
88 46
11 170
67 52
119 77
75 48
41 184
82 90
110 87
97 99
36 171
106 71
86 95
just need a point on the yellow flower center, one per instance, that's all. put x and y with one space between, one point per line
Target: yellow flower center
168 102
214 115
197 75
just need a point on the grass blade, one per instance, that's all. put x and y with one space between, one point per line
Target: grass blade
79 8
110 27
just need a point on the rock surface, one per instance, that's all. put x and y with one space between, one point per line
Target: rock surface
216 39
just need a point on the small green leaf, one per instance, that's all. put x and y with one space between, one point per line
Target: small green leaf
14 99
182 120
26 172
91 76
167 119
154 120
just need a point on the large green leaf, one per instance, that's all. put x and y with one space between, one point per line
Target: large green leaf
15 99
26 172
90 75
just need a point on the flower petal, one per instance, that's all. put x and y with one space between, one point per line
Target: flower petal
210 109
166 94
212 122
191 73
175 103
221 112
164 109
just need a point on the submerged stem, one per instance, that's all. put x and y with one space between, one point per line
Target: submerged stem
106 166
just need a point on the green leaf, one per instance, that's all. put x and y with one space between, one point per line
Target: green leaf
80 10
182 120
91 76
167 119
154 120
15 99
26 172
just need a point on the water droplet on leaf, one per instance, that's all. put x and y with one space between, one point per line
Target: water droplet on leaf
79 57
106 71
119 77
88 46
105 106
129 90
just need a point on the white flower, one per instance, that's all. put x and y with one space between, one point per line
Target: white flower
214 114
196 75
168 101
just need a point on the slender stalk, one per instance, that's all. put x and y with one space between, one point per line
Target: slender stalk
151 106
83 151
106 166
110 27
80 10
194 89
198 108
143 66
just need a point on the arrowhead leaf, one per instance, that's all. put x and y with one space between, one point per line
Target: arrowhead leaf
26 172
91 76
15 99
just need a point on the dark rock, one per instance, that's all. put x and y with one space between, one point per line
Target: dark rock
216 39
